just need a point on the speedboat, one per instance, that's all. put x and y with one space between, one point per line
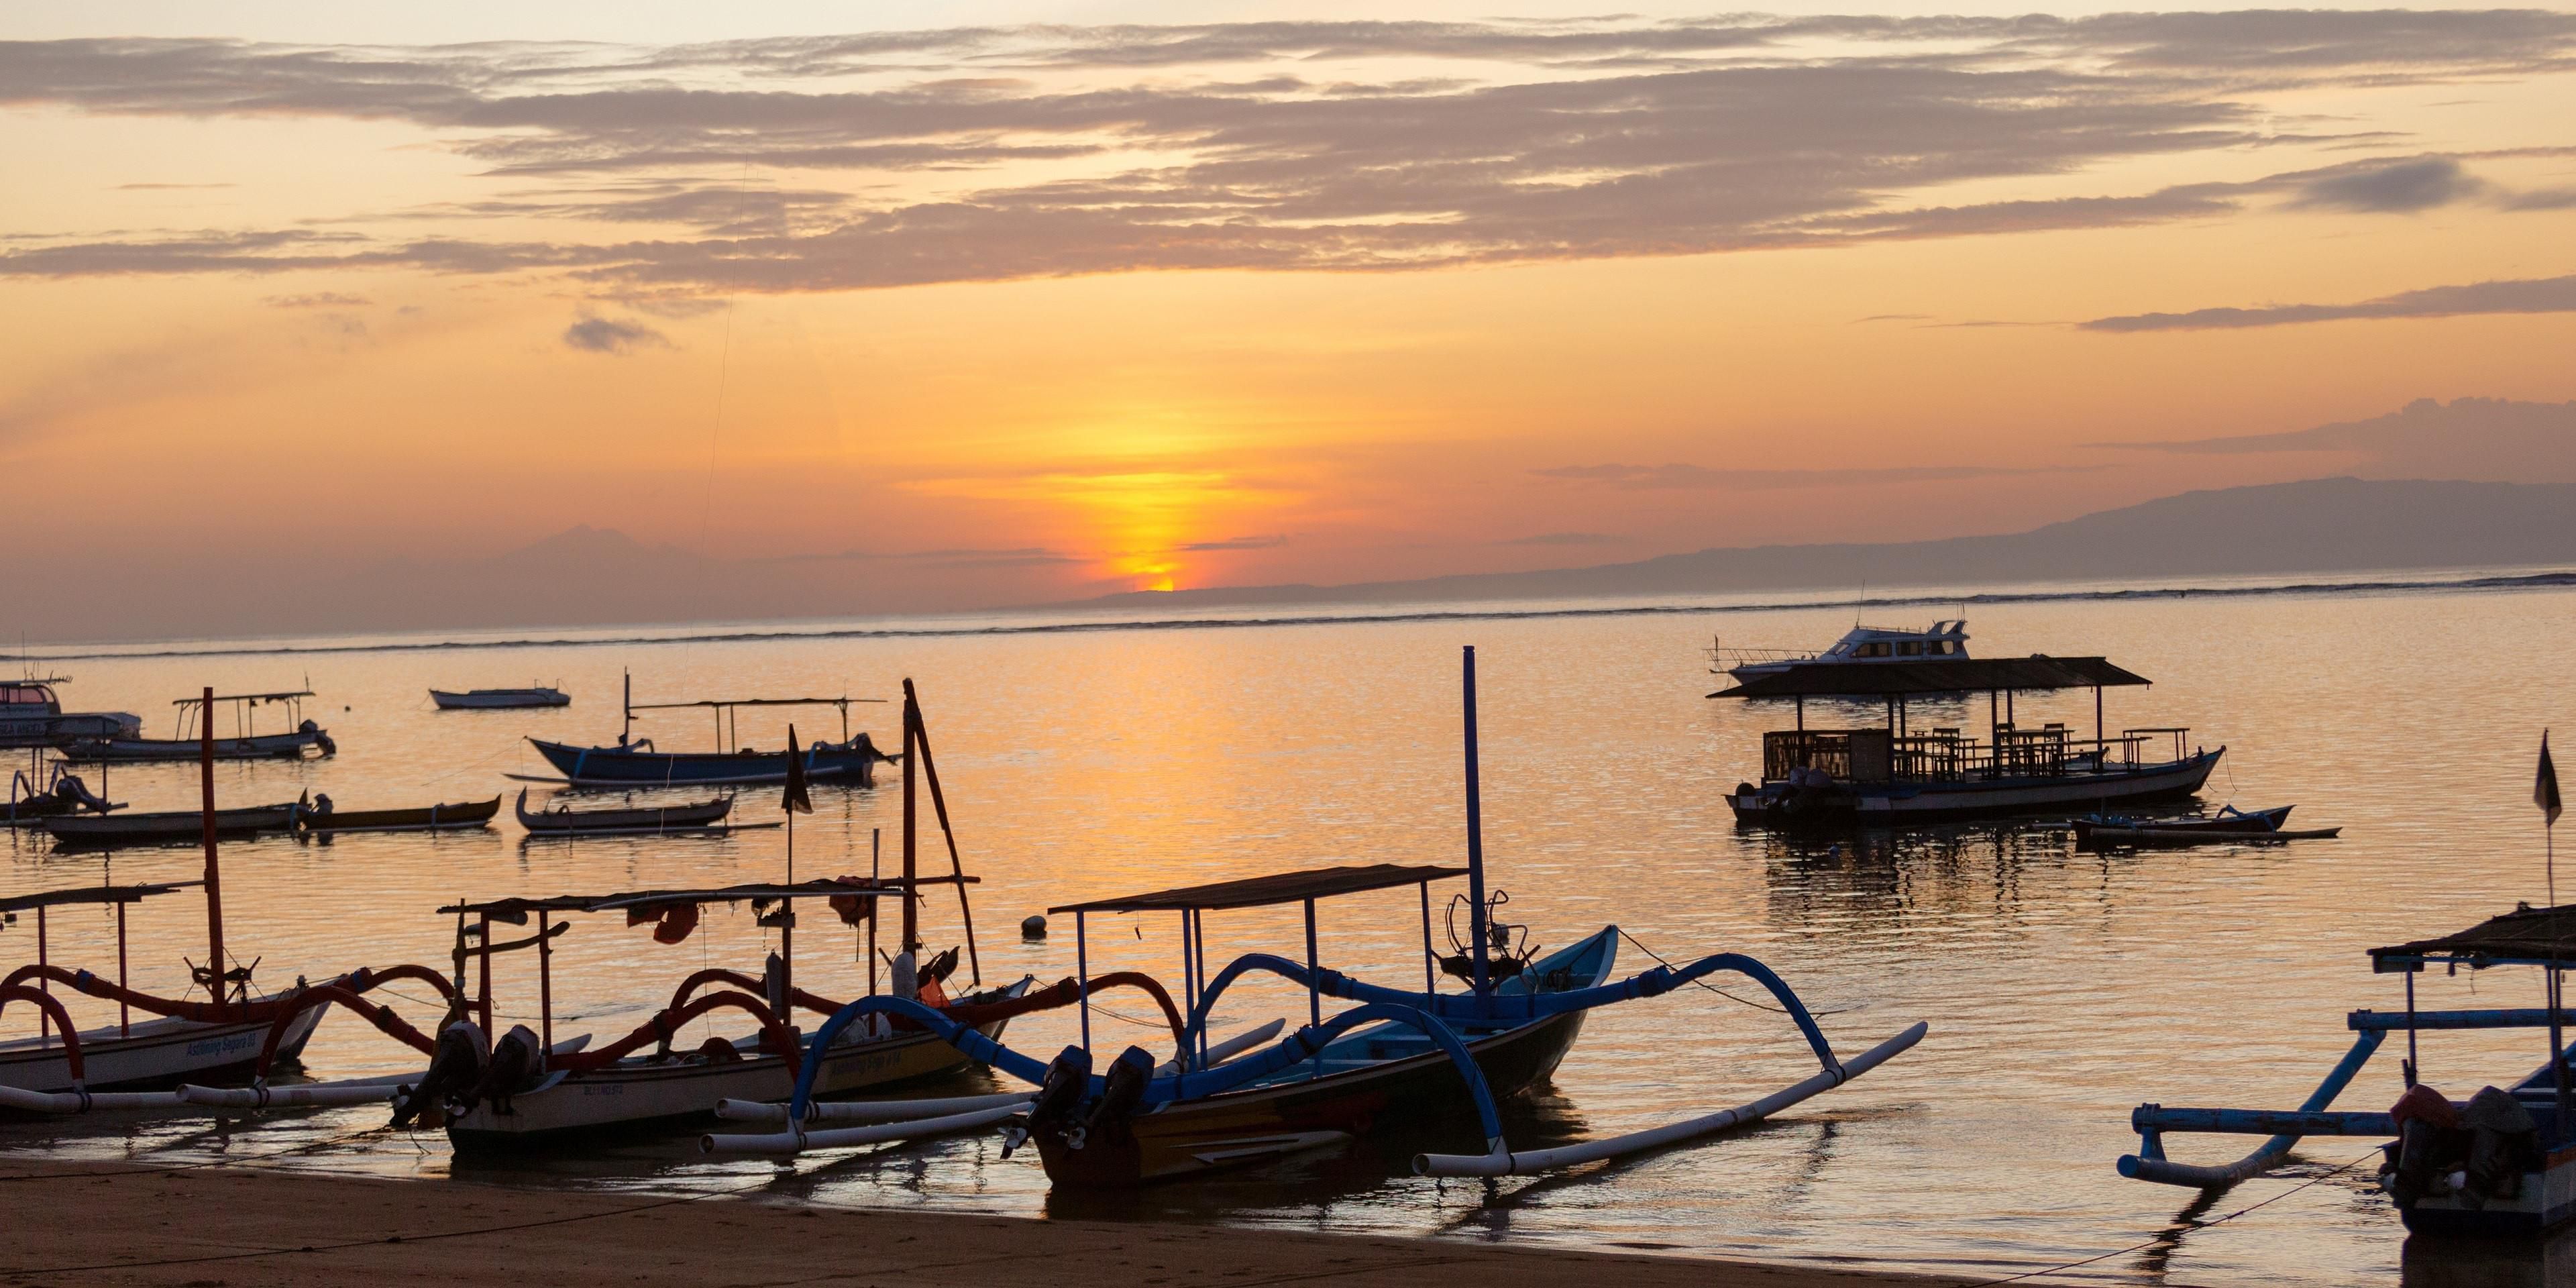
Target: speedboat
1942 641
31 716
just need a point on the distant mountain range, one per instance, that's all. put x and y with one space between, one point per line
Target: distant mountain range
2320 525
597 577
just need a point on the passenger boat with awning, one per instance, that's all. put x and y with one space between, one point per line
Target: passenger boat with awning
1401 1059
32 716
246 742
635 762
1897 775
2502 1161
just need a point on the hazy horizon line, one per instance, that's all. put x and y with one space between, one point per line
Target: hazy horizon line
2493 582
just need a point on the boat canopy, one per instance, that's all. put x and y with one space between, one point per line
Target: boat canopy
252 698
822 888
93 895
1277 888
750 702
2526 936
1892 679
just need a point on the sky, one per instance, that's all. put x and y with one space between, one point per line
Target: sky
1033 302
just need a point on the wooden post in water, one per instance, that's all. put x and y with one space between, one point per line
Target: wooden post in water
214 871
911 843
1475 832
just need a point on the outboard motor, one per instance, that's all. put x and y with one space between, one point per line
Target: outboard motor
518 1061
1122 1091
320 739
456 1069
2504 1143
1068 1080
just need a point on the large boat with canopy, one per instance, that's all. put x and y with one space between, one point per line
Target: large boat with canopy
1901 774
636 762
191 743
1401 1058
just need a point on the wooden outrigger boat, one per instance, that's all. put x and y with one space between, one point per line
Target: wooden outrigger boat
63 795
500 699
247 743
64 1069
635 762
563 820
505 1093
1399 1057
321 817
165 827
2100 831
1894 777
2501 1162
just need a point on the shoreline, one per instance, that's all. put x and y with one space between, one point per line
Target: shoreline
181 1227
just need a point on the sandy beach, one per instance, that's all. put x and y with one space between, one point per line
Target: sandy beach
230 1228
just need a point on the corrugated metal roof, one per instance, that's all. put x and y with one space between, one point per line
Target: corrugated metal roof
93 894
2525 934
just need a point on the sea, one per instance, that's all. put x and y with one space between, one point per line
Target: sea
1089 755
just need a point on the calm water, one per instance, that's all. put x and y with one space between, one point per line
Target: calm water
2062 988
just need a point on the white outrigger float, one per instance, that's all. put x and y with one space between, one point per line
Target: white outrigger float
1400 1057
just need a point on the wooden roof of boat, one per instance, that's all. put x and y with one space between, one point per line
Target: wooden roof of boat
253 698
1277 888
93 894
1959 675
2524 936
825 887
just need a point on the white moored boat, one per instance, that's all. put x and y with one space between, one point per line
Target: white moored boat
31 716
500 699
1860 646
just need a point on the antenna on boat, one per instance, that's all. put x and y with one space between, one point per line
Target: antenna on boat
1475 833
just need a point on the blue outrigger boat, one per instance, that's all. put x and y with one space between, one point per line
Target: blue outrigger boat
636 762
2501 1162
1400 1058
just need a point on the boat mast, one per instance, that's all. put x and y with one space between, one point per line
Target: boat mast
911 743
627 730
214 873
1475 832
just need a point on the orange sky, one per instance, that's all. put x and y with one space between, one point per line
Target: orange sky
1118 303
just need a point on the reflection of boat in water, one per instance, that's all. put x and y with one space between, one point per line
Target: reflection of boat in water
1859 646
1895 775
500 699
247 743
1398 1058
32 716
634 762
2501 1162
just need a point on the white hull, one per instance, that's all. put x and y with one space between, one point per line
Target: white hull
634 1093
159 1051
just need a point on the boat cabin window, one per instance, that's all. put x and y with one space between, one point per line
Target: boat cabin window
1875 648
1909 649
15 694
1942 648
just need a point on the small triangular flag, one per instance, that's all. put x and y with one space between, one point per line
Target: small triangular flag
2544 793
794 800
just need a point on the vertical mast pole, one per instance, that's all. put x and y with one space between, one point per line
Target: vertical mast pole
1475 832
626 731
214 871
911 842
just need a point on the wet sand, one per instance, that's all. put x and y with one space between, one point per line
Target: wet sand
238 1227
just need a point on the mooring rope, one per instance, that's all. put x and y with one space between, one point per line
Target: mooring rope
2319 1178
1762 1006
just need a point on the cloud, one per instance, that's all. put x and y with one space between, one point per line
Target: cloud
316 300
2404 186
2535 295
607 335
1564 539
1238 543
169 187
996 153
2490 439
1701 477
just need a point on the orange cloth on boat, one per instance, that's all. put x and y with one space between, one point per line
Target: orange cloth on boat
932 996
2424 1103
854 910
675 920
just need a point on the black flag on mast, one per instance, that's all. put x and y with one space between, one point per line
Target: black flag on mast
794 800
2544 793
